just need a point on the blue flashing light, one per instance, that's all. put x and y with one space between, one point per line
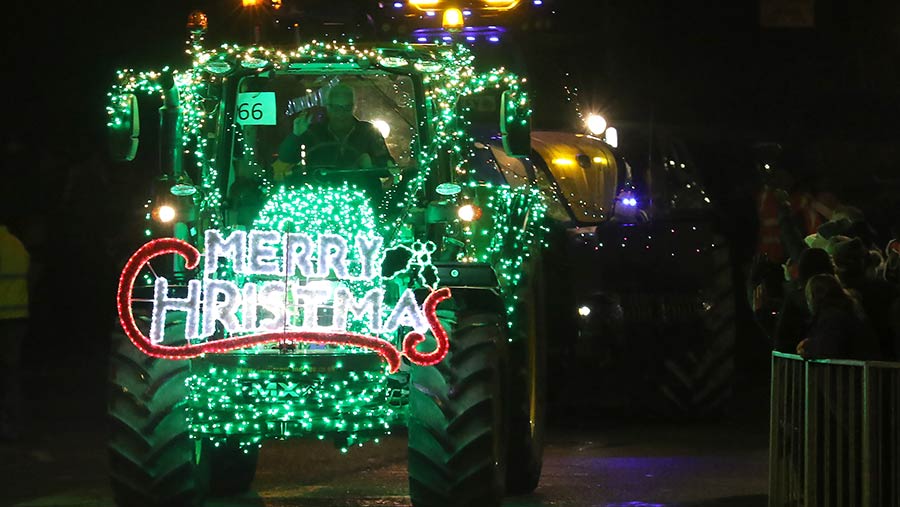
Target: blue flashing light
398 5
538 2
467 12
430 14
472 35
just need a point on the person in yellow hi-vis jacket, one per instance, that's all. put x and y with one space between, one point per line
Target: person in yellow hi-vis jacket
14 263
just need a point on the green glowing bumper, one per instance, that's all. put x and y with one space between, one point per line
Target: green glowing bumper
347 397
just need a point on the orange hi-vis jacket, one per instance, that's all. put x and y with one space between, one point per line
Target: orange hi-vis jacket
769 232
13 277
813 211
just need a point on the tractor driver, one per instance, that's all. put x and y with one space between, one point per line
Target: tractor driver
335 140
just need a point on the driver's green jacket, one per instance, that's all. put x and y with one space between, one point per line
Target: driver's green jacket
324 148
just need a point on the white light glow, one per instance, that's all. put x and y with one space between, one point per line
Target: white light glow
165 213
584 311
467 213
596 124
382 127
612 137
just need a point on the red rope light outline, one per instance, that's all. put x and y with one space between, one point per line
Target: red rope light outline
163 246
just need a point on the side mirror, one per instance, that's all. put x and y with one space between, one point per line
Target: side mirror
124 127
515 123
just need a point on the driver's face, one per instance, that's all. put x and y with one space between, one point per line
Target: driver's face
340 108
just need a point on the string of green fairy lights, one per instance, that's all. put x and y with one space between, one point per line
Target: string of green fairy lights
246 405
351 406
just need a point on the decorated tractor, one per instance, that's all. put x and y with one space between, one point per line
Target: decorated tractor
307 296
641 274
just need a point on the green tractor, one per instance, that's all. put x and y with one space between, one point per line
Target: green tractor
278 298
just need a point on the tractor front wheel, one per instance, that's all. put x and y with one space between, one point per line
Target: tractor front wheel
153 460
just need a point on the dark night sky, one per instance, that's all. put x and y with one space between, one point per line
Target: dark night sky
694 61
831 90
703 64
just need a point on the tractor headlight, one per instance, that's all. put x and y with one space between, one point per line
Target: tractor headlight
164 213
469 212
596 124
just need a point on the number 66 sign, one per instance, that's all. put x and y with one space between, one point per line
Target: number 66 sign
256 108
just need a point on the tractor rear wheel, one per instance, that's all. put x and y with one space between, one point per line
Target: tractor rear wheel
698 374
457 434
528 392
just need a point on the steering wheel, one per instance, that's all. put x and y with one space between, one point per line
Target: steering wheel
326 171
331 153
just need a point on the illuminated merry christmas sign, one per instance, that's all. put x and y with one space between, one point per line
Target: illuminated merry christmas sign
263 268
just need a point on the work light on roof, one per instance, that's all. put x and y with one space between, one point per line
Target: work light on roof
596 124
393 61
251 62
218 67
428 66
612 137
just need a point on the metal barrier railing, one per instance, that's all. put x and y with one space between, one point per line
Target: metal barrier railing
834 433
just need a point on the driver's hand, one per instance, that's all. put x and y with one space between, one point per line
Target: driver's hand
281 169
391 180
301 123
364 161
395 172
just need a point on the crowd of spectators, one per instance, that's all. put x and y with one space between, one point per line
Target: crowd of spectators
842 290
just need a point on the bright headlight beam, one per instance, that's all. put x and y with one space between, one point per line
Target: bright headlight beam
612 137
165 213
468 212
596 124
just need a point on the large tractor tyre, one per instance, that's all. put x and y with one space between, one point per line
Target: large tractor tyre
231 467
153 461
528 390
457 434
697 378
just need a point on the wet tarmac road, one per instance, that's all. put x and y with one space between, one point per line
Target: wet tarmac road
626 465
590 460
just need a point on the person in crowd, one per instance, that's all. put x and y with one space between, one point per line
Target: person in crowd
14 262
891 274
845 221
891 268
794 317
765 291
877 296
839 328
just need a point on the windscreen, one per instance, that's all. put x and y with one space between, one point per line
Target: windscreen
266 107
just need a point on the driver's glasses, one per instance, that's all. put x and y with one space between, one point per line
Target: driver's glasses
340 107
